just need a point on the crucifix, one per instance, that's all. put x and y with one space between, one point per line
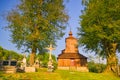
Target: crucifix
50 66
50 48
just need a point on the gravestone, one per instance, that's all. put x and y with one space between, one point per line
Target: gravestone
25 68
13 63
9 63
24 63
8 66
5 63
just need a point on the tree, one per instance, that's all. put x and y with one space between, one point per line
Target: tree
100 29
36 24
5 54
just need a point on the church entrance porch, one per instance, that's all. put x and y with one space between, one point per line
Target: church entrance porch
72 62
73 66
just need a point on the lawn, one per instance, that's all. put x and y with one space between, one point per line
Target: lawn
42 74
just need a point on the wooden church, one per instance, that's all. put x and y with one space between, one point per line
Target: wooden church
70 58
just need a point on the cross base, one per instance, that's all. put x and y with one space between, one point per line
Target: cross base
50 66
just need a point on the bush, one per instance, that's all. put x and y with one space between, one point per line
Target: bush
44 58
95 67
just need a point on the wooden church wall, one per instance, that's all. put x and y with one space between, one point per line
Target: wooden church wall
83 62
63 62
69 62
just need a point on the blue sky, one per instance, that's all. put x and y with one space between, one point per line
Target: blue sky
5 6
73 8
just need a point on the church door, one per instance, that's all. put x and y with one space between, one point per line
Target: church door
72 62
72 65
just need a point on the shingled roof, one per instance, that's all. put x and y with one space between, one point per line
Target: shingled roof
71 55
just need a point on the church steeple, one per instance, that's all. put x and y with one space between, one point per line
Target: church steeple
71 44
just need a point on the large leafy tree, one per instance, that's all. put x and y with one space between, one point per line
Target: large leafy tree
35 24
100 29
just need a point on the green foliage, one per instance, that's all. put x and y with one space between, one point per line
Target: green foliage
96 67
100 24
36 24
6 54
100 29
44 58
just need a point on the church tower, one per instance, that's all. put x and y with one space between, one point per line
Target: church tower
70 58
71 44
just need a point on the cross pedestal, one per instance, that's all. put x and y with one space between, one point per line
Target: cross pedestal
50 62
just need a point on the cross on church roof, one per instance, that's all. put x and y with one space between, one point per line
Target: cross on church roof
70 33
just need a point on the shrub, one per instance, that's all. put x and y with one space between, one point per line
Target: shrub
96 67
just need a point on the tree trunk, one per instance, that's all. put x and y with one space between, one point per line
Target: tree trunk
111 63
111 58
32 57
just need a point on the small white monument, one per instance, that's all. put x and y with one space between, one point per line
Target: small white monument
25 67
50 62
24 63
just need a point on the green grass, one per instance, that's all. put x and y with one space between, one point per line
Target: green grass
42 74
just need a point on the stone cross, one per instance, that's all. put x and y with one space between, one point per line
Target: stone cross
50 48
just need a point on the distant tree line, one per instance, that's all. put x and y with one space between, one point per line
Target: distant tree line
7 54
